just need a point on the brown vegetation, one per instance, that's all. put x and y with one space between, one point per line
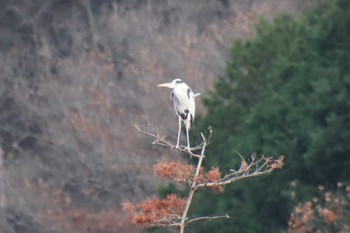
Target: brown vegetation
330 212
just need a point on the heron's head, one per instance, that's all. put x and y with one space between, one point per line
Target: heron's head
172 84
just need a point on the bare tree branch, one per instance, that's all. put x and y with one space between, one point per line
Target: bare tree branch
260 167
161 140
193 187
207 218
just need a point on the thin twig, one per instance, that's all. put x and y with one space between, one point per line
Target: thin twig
207 218
233 179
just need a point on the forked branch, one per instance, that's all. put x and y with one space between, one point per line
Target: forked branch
259 167
161 140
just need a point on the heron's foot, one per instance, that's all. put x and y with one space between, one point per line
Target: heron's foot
188 149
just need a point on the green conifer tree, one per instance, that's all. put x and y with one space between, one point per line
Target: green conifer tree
287 91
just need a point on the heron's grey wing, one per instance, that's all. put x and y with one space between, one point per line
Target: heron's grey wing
191 103
184 102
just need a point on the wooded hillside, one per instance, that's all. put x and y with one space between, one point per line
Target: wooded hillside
75 77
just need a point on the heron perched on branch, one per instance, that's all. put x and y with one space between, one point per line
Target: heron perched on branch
183 98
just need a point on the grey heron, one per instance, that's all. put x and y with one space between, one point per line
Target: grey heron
184 104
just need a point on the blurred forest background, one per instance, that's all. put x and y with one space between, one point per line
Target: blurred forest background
76 76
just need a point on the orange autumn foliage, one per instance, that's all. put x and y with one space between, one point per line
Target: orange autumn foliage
153 211
183 173
318 215
177 171
214 175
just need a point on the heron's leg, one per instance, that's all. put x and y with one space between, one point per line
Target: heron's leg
178 134
188 138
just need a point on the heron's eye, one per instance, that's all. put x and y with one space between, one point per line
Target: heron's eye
178 81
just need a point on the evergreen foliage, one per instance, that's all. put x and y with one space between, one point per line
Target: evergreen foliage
287 91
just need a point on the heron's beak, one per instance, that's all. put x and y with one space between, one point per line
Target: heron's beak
168 85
